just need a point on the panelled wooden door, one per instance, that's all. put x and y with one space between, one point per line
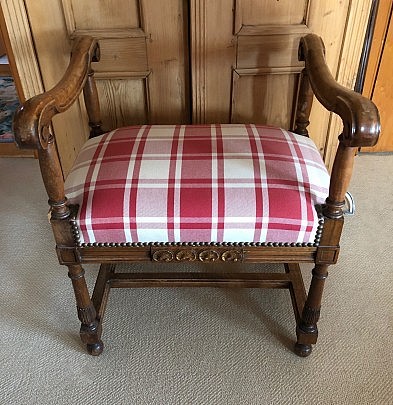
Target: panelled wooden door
180 61
245 59
142 76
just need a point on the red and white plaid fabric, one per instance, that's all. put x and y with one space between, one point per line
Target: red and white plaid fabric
198 183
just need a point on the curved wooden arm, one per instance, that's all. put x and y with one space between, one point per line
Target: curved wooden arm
33 118
359 115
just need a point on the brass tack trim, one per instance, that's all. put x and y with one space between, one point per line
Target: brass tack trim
76 235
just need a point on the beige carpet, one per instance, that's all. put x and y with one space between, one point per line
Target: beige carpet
195 346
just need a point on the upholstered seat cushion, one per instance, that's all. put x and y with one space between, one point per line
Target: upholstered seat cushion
210 183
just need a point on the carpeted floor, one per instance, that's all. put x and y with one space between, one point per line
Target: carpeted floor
184 346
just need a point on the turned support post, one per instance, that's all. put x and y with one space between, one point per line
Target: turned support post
340 179
92 103
90 331
304 104
307 331
52 176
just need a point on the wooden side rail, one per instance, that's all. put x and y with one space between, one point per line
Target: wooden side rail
32 120
359 114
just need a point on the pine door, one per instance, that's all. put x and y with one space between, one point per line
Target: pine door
180 61
142 76
245 58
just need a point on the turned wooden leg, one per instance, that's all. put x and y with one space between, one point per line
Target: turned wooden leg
90 331
307 331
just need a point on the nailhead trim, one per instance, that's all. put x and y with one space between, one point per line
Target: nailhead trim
317 240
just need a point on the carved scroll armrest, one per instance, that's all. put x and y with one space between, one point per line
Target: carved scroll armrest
359 115
33 118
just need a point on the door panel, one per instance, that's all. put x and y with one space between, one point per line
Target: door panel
270 46
117 107
139 42
259 69
122 55
108 14
166 26
267 57
267 12
255 98
142 76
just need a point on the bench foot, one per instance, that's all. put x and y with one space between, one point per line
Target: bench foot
303 350
95 349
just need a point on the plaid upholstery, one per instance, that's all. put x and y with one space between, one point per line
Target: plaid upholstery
195 183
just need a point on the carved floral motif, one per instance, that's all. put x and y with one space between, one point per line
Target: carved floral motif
203 255
162 256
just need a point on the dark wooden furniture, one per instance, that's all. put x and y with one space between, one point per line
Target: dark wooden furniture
360 128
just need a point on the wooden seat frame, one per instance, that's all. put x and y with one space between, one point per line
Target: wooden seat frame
360 128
